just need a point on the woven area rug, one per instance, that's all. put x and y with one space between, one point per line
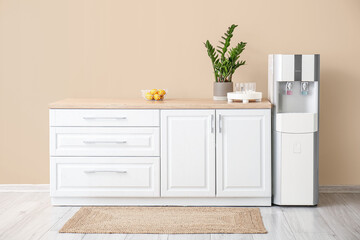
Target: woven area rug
165 220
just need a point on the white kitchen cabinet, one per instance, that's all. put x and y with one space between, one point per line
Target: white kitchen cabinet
243 153
173 152
188 153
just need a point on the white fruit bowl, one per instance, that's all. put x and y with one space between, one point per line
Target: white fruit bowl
143 94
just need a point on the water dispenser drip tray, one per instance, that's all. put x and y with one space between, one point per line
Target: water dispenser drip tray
296 122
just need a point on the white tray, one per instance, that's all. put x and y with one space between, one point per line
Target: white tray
244 97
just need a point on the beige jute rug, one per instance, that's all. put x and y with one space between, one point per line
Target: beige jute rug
165 220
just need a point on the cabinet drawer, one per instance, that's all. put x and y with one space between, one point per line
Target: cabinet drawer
105 177
103 117
104 141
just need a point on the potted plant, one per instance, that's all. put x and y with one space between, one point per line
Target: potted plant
225 63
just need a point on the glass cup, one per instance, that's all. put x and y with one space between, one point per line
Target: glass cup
239 87
242 87
252 87
246 87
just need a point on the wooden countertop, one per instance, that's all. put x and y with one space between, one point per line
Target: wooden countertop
89 103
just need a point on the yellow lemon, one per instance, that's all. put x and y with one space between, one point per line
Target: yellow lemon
149 96
161 92
154 91
157 97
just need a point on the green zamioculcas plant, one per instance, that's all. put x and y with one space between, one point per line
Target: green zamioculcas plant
225 62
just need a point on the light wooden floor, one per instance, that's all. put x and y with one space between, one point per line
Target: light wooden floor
30 216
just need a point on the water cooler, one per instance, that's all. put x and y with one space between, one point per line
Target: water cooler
294 93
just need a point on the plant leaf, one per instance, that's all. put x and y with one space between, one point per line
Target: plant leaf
225 60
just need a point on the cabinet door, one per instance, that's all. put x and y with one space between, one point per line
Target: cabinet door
243 153
187 153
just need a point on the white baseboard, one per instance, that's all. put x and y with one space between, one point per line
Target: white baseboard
159 201
46 187
24 187
340 189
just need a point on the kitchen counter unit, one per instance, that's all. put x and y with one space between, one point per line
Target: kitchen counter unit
101 103
181 152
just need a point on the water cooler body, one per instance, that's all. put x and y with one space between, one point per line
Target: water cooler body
294 92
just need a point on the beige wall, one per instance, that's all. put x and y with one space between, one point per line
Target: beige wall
51 50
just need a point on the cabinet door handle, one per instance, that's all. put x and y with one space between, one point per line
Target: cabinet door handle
212 123
220 123
104 118
105 171
104 142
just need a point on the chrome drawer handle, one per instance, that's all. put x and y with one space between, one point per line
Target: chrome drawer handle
104 142
105 171
104 118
